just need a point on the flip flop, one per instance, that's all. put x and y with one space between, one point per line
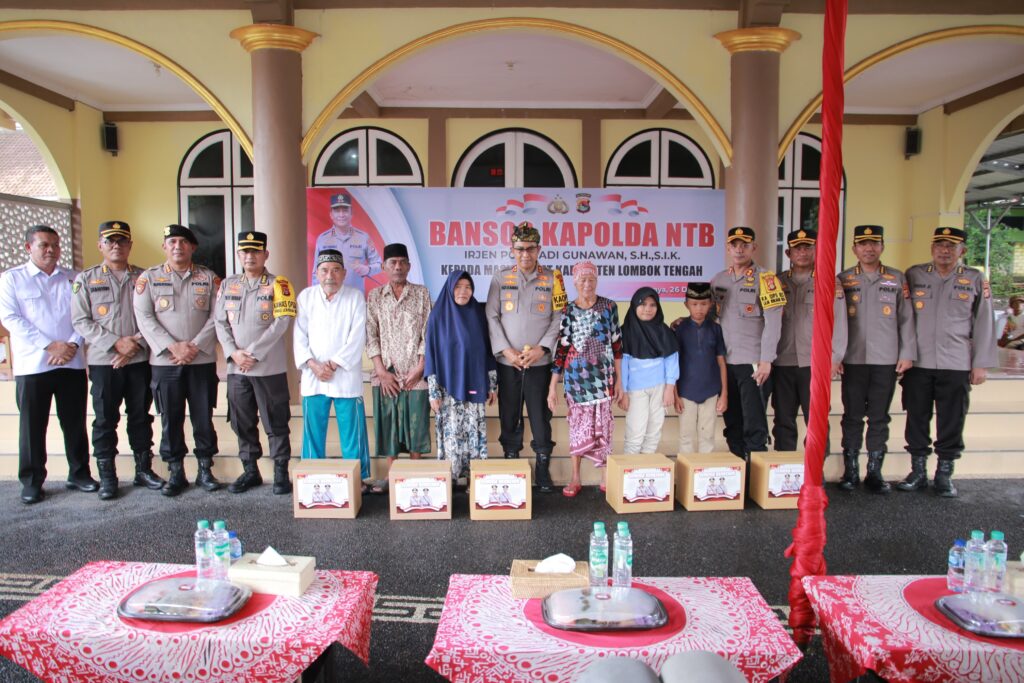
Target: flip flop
571 490
603 487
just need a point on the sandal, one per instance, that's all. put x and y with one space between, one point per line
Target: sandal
603 487
571 490
379 487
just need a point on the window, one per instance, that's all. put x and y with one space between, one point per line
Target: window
367 156
659 157
215 198
800 196
514 158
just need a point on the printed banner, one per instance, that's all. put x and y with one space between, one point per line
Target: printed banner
421 494
710 483
785 479
322 490
663 238
646 484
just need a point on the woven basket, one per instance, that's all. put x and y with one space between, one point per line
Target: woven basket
527 583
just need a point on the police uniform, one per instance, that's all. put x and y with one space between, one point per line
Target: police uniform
791 371
749 305
356 246
881 332
172 307
955 334
102 312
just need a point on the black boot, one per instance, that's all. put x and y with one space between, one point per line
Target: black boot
250 479
176 482
282 483
943 479
108 478
543 473
873 481
144 474
851 470
917 480
511 455
205 477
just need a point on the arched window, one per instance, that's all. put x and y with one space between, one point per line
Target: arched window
800 196
659 157
514 158
367 156
215 198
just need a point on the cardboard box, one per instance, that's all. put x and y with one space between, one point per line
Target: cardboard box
1014 579
500 489
420 489
330 487
526 583
291 580
775 479
640 483
710 481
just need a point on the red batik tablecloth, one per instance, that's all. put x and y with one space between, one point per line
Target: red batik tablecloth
72 632
487 635
889 624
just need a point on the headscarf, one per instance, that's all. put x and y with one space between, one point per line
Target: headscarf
582 268
647 338
458 344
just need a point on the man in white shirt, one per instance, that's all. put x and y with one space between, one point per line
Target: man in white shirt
35 306
329 335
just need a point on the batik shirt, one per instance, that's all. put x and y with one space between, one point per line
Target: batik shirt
589 341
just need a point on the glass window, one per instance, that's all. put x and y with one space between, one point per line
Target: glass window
344 161
800 196
209 163
636 163
488 169
206 218
514 158
659 157
391 160
367 156
682 163
539 169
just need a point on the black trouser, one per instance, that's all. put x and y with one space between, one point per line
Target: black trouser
792 390
867 392
173 386
34 395
111 387
514 388
950 392
267 396
746 425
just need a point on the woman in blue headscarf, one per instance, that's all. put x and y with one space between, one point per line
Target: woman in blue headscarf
461 373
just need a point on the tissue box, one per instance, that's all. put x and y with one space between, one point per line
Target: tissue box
640 483
710 481
500 489
420 489
775 479
524 582
327 488
292 580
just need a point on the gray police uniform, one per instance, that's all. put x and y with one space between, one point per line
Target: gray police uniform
791 372
751 335
356 247
245 320
519 312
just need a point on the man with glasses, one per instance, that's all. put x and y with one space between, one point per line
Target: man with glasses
955 346
523 324
118 358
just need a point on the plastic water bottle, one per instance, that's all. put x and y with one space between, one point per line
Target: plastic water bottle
221 551
622 572
599 559
204 553
995 562
955 573
974 563
236 546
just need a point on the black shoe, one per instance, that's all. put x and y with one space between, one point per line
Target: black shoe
86 484
176 482
32 496
543 473
205 478
144 474
851 470
874 481
250 479
282 483
108 479
917 480
511 455
944 480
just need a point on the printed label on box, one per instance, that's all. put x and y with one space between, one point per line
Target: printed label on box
421 494
646 484
785 479
716 483
322 490
500 491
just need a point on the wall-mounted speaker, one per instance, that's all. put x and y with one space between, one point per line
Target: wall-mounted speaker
912 142
108 138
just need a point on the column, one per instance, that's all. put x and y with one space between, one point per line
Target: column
752 180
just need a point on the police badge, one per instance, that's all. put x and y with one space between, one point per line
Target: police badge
583 202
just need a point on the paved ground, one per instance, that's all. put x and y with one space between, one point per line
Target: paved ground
898 534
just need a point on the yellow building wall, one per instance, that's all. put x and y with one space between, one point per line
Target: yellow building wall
93 184
50 127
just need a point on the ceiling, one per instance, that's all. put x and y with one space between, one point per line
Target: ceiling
999 178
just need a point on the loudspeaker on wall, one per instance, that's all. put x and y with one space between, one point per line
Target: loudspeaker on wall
108 138
912 142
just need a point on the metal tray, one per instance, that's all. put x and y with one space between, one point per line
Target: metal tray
179 599
613 609
995 615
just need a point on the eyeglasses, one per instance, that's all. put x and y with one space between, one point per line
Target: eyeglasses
116 241
526 250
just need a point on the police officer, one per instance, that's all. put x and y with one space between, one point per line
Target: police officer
118 358
882 346
955 345
523 315
749 300
252 315
174 309
361 257
791 371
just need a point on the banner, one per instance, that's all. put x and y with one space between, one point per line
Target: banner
662 238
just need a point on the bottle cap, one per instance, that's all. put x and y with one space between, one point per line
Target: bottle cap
977 535
959 543
232 534
623 528
599 528
997 536
220 525
203 524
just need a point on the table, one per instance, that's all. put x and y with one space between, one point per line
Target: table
889 624
487 635
72 632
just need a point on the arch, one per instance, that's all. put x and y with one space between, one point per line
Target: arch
957 196
891 51
73 28
539 140
44 151
624 50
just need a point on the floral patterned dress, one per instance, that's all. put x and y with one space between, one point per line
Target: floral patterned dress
460 427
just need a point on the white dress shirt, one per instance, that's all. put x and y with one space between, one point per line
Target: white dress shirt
332 330
36 309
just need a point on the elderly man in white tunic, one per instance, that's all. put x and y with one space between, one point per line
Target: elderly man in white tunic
330 334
